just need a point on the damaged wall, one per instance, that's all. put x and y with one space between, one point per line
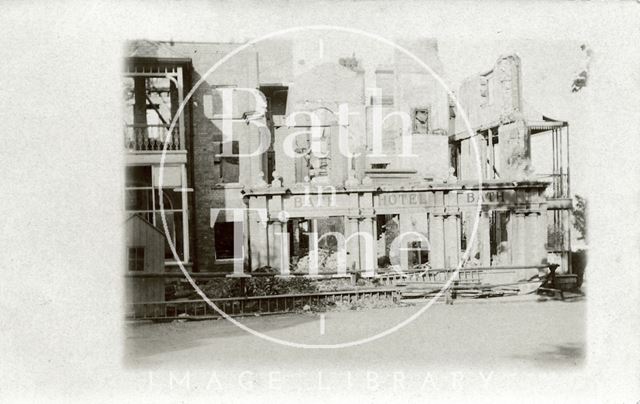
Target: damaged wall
321 91
492 97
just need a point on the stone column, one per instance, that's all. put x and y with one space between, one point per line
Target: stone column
452 240
353 246
350 228
239 231
367 242
283 240
436 239
258 234
275 244
542 236
314 259
536 238
271 243
519 239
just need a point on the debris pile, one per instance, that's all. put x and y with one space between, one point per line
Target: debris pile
327 262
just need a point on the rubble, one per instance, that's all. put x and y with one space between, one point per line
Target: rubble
327 262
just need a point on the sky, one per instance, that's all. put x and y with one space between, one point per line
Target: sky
548 70
470 39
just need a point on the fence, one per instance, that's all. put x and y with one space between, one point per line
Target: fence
251 305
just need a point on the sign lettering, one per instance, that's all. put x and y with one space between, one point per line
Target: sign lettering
403 199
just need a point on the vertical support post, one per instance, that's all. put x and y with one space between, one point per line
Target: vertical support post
569 269
183 145
185 212
174 101
140 138
140 101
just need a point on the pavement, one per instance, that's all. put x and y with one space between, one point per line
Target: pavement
522 331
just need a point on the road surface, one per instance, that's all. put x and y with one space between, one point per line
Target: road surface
531 333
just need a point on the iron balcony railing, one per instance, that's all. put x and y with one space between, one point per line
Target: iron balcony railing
152 138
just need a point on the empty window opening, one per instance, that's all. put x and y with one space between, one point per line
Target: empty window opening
225 235
499 238
421 118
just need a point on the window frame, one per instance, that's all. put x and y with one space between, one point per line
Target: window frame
137 260
152 214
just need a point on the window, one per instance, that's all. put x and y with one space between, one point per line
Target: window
302 161
298 230
225 247
139 191
455 152
136 258
331 224
421 117
387 230
418 253
142 197
309 165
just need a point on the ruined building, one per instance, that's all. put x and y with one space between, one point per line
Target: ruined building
407 194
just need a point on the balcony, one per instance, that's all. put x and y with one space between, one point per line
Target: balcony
152 94
153 138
